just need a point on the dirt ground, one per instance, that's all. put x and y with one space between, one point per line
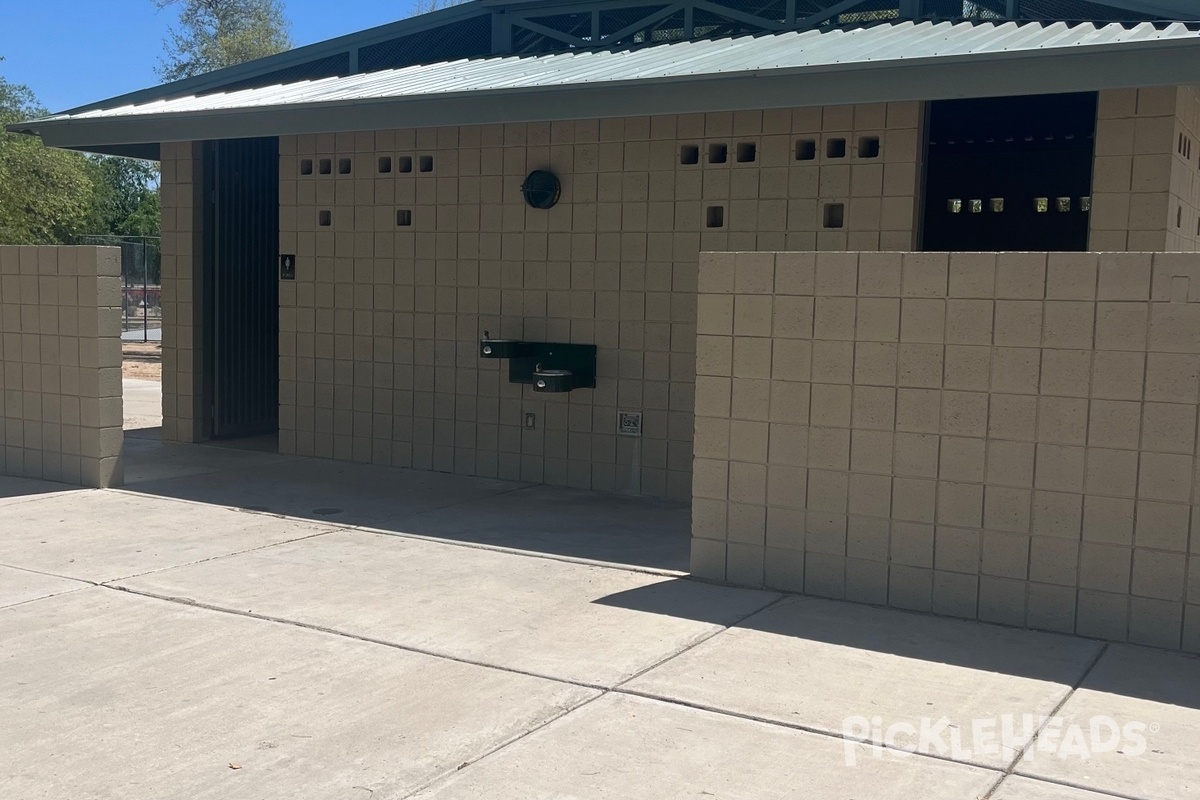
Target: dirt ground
142 360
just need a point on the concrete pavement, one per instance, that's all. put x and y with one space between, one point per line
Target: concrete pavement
206 633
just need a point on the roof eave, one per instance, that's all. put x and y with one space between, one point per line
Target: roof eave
1159 63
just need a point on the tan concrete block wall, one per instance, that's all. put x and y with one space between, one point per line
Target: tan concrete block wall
60 364
1007 437
182 255
1136 191
1183 213
379 333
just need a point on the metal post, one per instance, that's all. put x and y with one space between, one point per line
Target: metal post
145 295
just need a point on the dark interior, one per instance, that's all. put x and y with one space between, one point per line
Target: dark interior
1009 173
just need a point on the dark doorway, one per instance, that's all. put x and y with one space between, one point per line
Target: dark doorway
241 292
1009 173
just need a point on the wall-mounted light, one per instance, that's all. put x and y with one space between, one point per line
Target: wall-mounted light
542 189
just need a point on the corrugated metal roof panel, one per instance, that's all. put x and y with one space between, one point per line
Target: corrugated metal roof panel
795 52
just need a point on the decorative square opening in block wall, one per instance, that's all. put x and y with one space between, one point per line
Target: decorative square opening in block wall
806 150
835 148
868 147
404 164
747 152
689 154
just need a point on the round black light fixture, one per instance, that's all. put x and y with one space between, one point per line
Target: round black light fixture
542 189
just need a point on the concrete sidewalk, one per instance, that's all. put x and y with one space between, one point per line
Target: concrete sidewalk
244 625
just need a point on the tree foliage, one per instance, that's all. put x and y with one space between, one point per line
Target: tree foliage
50 196
212 34
44 194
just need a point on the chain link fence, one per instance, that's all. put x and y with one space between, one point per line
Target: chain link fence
141 284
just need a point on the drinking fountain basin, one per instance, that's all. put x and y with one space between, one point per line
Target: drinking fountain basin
553 380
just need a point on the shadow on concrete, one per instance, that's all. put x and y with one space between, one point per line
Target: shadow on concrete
799 621
14 490
636 531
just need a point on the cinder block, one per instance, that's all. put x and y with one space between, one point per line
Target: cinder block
1157 623
910 587
784 569
1050 608
1007 509
746 523
786 489
1121 326
918 410
972 275
869 495
1020 276
745 564
1163 526
1159 575
747 441
925 275
790 402
1002 600
1103 615
866 581
1118 376
828 448
962 459
960 504
1108 520
879 274
916 455
1172 378
1169 428
955 595
875 364
793 317
789 445
878 319
1163 476
1124 276
825 575
1016 370
919 365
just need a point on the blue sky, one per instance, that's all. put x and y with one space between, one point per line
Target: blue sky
72 52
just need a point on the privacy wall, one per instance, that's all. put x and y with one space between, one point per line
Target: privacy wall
60 381
1009 437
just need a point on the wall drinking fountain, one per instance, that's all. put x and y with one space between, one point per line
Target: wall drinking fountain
546 366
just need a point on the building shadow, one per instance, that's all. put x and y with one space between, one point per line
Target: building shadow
643 532
800 621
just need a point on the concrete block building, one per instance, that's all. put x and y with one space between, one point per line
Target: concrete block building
917 365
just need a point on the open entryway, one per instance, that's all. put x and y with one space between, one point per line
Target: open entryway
1009 173
241 308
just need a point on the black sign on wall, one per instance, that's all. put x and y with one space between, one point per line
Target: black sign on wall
287 268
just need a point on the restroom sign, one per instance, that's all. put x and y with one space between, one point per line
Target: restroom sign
629 423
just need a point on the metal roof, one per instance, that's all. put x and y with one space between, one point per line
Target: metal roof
886 62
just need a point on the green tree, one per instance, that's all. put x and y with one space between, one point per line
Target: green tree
212 34
45 194
124 197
